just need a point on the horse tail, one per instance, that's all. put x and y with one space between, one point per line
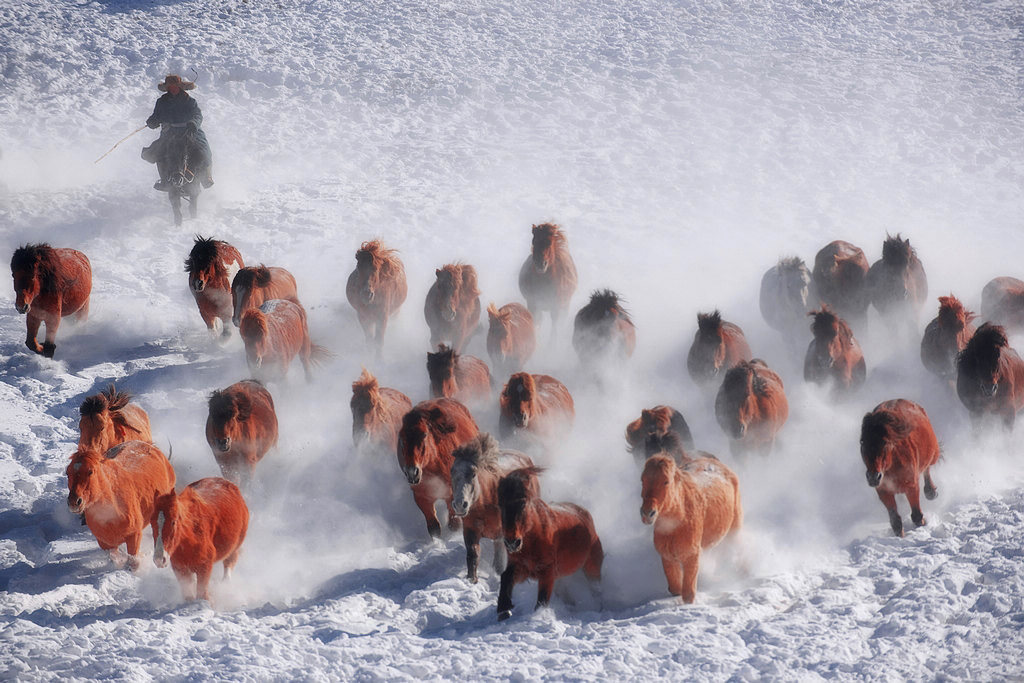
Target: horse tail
319 354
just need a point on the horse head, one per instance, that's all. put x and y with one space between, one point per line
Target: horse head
441 370
203 264
796 279
979 361
879 432
953 317
449 287
34 268
518 397
831 335
543 247
417 447
659 475
371 259
469 458
736 405
366 405
227 409
516 490
707 355
82 484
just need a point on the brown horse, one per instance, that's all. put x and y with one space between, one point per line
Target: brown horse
990 377
945 337
204 524
50 284
544 542
717 346
476 469
211 266
547 279
603 329
452 308
429 435
834 354
538 404
457 375
109 418
241 428
645 435
511 338
376 289
898 445
692 508
751 406
376 414
897 284
786 296
251 287
840 280
117 492
1002 302
274 334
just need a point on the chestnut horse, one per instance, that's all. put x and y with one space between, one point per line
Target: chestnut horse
603 329
50 284
692 508
544 542
897 284
109 418
644 435
547 279
990 377
1002 302
511 338
457 375
274 334
751 406
478 465
898 445
840 280
717 346
117 493
452 308
376 414
376 289
945 337
834 354
211 266
538 404
253 286
429 435
202 525
240 428
786 297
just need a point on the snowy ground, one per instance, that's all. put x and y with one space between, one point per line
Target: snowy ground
684 147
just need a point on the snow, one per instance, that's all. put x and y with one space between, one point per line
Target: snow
684 146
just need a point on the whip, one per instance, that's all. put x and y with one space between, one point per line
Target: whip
120 141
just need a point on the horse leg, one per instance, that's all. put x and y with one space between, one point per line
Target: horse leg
472 541
690 566
83 313
592 567
203 581
673 574
50 345
229 563
929 487
914 498
132 544
500 557
454 522
425 502
187 583
175 198
382 326
33 322
305 355
193 204
508 581
889 501
545 585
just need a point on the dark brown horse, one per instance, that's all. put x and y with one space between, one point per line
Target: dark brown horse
544 542
50 284
273 335
1002 302
897 284
990 377
109 418
786 297
898 445
376 289
751 407
252 286
452 308
457 375
428 438
376 414
834 354
840 280
511 338
717 346
547 279
945 337
536 404
211 266
603 330
241 427
477 467
645 435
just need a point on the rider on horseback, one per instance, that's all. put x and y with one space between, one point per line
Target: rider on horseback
176 112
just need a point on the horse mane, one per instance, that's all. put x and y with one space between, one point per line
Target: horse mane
522 379
879 425
86 456
985 345
203 255
709 322
791 263
663 444
469 282
521 484
952 310
253 324
441 358
552 231
661 461
366 382
498 314
481 452
374 250
247 277
736 379
897 251
42 257
825 320
222 402
602 302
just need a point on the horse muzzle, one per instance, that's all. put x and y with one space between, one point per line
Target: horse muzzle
990 390
198 286
648 516
413 475
460 511
75 504
21 308
513 545
520 421
160 560
874 478
223 445
448 316
368 296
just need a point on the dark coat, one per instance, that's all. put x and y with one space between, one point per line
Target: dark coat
174 113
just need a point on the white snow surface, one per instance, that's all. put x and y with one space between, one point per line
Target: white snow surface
684 146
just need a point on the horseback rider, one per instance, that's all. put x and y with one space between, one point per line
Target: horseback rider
176 112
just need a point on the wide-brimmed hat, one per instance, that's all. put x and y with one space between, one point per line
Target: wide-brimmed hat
174 79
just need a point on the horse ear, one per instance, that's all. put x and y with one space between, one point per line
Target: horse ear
437 272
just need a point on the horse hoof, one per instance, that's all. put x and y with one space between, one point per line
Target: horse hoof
931 494
502 616
48 349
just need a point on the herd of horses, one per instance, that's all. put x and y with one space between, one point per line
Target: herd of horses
121 483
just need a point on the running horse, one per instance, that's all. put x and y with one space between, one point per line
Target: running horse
50 284
452 307
840 279
897 284
945 337
547 279
376 289
181 154
990 377
211 265
717 346
834 356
